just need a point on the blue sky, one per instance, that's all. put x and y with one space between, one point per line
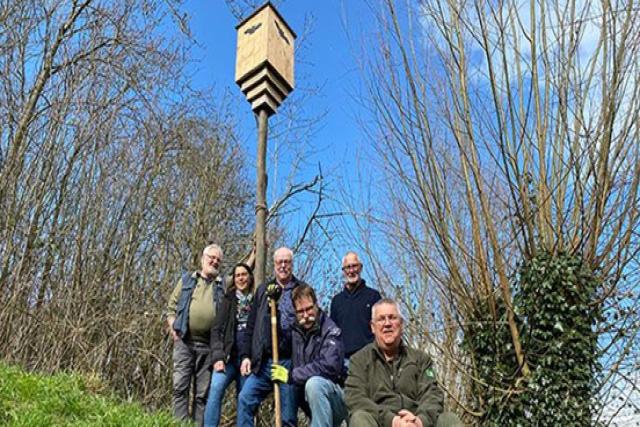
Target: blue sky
327 64
329 60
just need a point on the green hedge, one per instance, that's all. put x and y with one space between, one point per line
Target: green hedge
555 303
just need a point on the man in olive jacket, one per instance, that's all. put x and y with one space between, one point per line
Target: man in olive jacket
390 384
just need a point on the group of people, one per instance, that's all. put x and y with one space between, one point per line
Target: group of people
349 365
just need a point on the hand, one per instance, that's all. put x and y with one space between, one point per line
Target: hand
399 422
174 334
274 291
245 367
280 374
407 418
218 366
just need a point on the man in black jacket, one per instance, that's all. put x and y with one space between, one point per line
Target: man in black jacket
318 356
256 355
351 308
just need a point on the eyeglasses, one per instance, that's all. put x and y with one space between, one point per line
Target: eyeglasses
283 262
389 317
305 310
351 267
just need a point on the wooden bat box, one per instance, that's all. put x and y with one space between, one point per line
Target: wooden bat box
265 58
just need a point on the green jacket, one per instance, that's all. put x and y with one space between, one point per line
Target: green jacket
383 388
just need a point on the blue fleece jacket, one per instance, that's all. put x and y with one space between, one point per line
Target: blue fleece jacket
351 311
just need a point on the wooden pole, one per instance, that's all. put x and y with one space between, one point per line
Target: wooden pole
264 72
261 198
261 247
274 346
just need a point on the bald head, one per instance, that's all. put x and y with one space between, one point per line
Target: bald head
352 269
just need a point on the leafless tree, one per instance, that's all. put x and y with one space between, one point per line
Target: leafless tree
504 129
113 176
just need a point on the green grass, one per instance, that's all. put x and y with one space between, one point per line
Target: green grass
32 400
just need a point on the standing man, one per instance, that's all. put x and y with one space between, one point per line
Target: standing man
318 356
257 353
190 314
351 308
391 384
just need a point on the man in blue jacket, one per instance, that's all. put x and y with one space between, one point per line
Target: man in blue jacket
256 354
351 308
318 355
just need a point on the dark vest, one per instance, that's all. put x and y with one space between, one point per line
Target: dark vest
181 324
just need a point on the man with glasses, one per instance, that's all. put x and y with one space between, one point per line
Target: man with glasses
351 308
391 384
256 354
317 362
190 313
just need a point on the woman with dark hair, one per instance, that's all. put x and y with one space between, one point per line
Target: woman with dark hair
227 335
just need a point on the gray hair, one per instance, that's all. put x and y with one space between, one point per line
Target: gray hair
344 258
283 250
387 301
215 247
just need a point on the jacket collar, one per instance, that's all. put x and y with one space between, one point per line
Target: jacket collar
292 283
402 350
232 292
361 284
196 275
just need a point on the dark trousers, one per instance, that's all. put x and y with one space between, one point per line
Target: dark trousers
190 362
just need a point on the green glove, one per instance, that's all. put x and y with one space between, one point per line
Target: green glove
280 374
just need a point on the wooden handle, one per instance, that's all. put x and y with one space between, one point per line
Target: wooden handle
274 357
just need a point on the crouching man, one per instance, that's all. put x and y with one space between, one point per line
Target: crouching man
391 384
318 360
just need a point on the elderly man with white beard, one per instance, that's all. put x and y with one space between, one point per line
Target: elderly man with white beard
190 313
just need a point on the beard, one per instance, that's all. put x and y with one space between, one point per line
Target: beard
308 321
211 272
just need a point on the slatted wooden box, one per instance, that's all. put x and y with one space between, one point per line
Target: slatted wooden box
265 58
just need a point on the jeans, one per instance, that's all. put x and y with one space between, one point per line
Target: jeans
189 360
219 383
257 387
325 400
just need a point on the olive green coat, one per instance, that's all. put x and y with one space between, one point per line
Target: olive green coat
383 388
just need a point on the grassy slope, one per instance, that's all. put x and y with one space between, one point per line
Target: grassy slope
66 400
